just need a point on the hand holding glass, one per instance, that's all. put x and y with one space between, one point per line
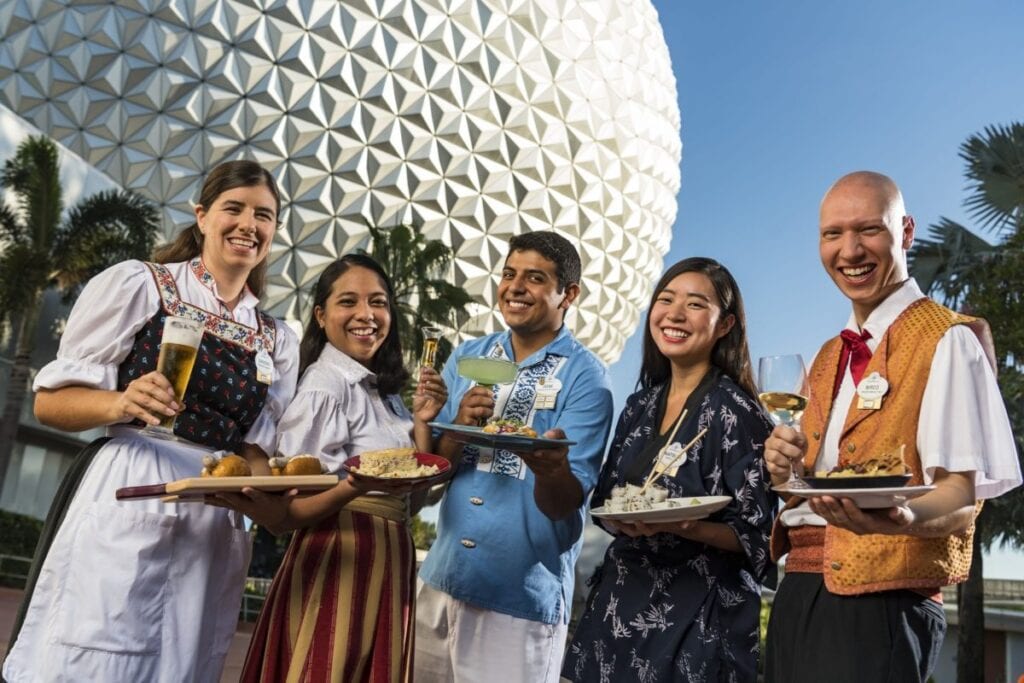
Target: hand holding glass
178 348
782 381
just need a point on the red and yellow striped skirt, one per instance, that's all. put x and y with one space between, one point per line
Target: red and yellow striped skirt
340 607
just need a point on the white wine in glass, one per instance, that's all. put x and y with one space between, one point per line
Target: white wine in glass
782 381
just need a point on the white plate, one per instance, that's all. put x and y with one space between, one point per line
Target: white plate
866 499
692 507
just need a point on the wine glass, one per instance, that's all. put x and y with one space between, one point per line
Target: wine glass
782 381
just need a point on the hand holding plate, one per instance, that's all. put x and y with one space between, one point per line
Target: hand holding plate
844 513
269 510
547 462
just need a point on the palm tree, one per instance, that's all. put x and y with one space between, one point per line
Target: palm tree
43 248
417 267
986 279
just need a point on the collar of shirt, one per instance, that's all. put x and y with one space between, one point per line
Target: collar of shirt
561 345
352 370
246 300
885 313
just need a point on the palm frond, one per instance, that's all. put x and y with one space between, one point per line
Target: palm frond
101 230
33 175
22 275
12 229
943 262
417 267
995 171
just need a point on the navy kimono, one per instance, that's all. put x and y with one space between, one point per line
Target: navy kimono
664 608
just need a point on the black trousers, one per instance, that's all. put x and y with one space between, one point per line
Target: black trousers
816 636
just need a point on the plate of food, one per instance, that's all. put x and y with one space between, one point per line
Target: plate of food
511 435
864 498
229 473
883 472
628 504
398 464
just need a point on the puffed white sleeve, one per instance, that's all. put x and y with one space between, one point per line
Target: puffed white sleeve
101 328
263 432
963 425
316 423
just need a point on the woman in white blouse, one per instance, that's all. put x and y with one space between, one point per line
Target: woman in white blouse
341 605
143 590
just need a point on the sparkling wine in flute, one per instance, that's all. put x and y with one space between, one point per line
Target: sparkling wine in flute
783 408
178 349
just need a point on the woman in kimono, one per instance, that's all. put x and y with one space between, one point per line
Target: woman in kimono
681 601
142 590
341 605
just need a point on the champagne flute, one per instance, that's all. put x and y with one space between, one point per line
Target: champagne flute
782 381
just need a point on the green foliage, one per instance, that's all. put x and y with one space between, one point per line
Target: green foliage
39 249
423 532
987 280
996 293
995 169
19 534
417 268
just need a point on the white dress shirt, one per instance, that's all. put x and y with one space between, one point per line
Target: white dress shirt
963 425
338 412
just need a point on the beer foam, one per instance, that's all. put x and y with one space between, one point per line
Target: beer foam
182 331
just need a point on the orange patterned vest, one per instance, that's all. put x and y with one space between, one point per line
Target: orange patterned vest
854 564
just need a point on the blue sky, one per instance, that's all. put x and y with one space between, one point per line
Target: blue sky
779 99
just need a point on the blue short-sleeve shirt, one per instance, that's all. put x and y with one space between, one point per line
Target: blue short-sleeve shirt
495 549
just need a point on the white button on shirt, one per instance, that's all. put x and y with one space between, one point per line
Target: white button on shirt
963 426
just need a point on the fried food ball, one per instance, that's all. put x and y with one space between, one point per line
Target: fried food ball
230 465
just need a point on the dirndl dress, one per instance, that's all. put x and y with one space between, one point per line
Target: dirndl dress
143 590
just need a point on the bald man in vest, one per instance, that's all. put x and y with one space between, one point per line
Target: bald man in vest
861 601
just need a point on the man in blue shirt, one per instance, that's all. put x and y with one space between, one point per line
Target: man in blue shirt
498 581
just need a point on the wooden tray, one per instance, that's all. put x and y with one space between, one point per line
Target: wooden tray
201 486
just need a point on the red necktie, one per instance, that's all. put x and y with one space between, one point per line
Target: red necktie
856 352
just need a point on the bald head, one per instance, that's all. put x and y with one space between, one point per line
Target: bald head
881 186
864 237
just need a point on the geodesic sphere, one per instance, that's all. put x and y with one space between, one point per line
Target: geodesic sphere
475 119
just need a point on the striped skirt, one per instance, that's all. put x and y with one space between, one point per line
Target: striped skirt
340 608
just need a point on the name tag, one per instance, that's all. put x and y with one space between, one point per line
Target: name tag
264 368
667 459
870 392
547 393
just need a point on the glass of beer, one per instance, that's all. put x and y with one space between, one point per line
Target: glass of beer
431 338
178 348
